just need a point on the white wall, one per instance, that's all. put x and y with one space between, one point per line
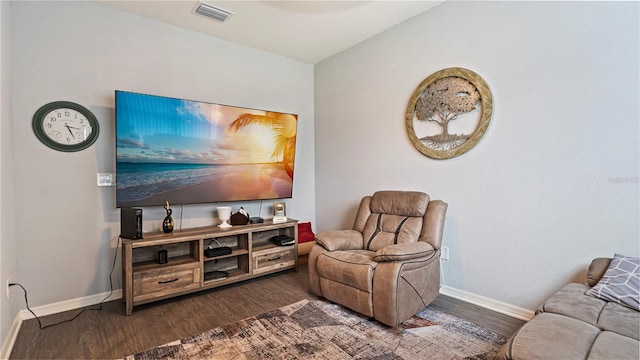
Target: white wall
82 52
8 241
554 182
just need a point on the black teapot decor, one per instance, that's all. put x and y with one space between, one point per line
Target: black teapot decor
167 224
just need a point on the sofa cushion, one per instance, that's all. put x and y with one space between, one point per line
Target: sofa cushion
571 301
620 319
621 282
348 267
552 336
609 345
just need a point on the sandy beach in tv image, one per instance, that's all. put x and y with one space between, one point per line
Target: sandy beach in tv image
187 152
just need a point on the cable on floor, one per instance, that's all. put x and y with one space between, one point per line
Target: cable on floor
26 301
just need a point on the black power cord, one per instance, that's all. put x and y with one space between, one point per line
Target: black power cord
26 301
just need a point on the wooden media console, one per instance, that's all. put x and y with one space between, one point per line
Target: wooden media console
188 270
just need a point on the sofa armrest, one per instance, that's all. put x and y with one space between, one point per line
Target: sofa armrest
340 240
402 252
596 270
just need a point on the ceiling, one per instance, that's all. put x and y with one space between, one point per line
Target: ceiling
305 30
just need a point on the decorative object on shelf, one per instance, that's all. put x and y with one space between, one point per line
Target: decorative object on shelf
167 224
279 212
283 240
217 251
224 214
220 250
163 256
65 126
215 275
240 217
448 113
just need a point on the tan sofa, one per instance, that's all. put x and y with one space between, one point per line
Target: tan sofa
575 325
388 266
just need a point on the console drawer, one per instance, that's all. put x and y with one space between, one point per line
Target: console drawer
151 284
273 259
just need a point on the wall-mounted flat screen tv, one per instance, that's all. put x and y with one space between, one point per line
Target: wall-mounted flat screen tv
189 152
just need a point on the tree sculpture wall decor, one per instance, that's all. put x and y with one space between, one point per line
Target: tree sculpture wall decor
448 113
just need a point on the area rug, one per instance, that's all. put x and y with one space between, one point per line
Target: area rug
316 329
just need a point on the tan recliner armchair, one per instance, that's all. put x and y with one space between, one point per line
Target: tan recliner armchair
388 266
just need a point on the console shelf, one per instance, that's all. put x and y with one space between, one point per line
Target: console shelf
235 252
188 270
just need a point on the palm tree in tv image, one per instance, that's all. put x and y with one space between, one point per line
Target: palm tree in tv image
284 129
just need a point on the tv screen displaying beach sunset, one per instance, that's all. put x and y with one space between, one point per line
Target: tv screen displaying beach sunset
187 152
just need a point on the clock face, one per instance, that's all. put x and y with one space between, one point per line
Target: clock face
65 126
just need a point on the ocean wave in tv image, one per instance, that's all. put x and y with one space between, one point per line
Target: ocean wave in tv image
141 184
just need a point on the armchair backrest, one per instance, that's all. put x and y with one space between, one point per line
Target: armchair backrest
397 217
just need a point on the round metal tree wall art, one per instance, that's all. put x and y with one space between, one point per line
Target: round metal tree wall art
448 113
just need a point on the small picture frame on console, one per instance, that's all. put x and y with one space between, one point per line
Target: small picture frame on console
279 212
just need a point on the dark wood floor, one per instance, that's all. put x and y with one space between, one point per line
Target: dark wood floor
110 334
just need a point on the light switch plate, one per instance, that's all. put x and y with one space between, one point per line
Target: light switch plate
106 179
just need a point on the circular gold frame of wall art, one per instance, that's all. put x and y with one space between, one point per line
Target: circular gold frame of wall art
486 107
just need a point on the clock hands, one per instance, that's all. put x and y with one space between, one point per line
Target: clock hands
69 128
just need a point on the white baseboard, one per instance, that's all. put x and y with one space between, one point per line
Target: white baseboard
12 335
44 310
487 303
71 304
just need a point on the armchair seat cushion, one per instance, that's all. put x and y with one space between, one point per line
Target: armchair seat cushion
402 252
354 268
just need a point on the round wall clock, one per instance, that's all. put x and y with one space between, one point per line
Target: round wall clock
65 126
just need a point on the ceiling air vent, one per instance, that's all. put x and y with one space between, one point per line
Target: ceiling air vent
212 12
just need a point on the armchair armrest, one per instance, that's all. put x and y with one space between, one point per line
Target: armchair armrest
340 240
401 252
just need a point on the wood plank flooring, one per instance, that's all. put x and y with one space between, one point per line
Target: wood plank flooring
108 333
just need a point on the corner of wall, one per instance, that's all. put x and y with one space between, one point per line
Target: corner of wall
8 265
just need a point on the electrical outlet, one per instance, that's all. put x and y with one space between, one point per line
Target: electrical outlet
7 288
444 253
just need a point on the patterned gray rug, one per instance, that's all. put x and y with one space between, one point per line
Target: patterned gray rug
316 329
